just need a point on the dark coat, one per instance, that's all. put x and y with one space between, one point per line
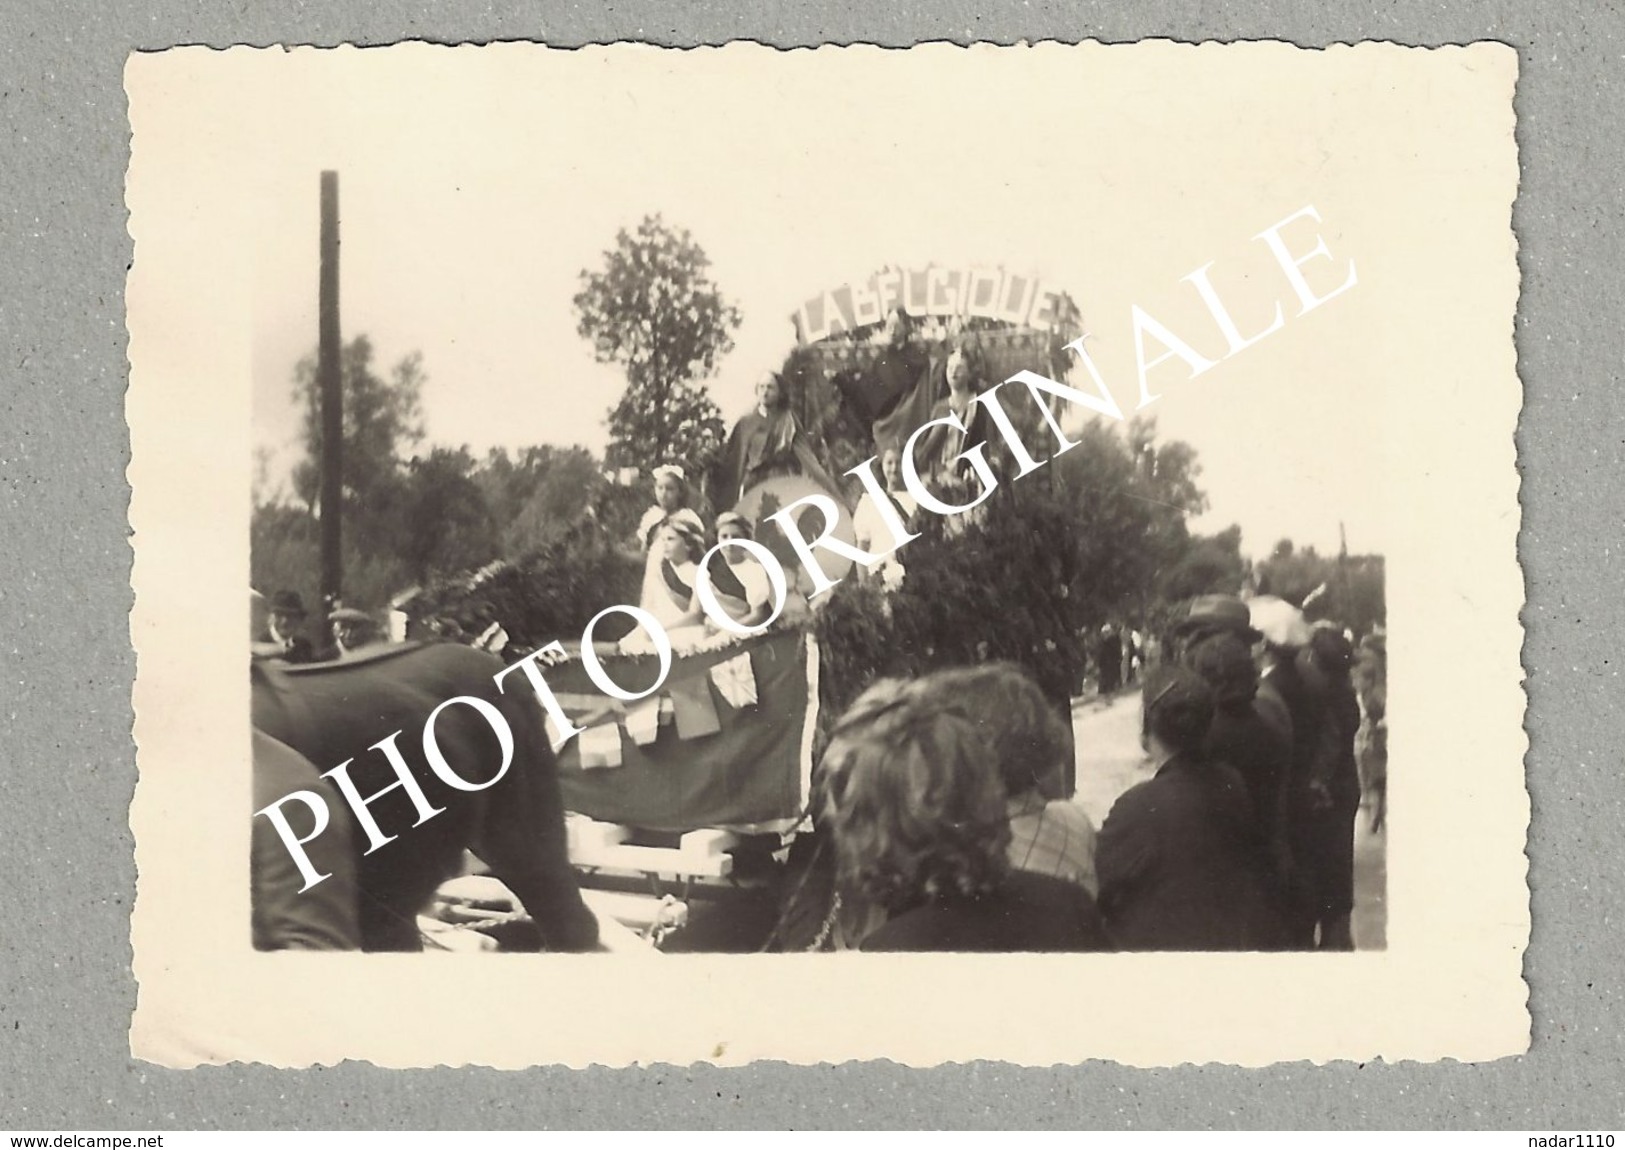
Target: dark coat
299 650
1109 656
1029 912
1244 737
1333 763
334 712
1304 708
1182 865
1327 802
1323 791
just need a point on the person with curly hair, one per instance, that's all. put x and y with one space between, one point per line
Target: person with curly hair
1048 833
921 832
1180 859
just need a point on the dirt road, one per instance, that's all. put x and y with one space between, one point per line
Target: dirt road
1110 762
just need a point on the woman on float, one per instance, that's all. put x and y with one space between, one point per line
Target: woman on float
679 543
671 500
740 583
943 445
769 441
869 524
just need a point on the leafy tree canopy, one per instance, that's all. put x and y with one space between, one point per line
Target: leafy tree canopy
382 418
653 309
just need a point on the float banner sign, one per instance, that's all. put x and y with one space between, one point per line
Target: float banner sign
718 759
986 293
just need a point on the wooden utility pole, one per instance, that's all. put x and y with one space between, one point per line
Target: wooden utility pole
1345 591
330 378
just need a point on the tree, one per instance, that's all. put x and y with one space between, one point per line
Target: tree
441 522
548 594
1354 592
285 555
381 418
1129 498
654 310
540 494
1211 565
387 540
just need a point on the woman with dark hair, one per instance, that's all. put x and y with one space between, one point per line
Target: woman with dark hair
1049 834
921 832
944 447
1180 859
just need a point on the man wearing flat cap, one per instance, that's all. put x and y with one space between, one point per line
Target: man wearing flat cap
352 629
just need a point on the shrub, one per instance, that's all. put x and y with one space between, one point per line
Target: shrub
549 594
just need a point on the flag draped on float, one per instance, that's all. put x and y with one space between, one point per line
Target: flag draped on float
726 741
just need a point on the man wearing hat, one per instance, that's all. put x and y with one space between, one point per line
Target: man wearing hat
287 620
352 629
1215 615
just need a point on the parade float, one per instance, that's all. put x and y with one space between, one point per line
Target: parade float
674 794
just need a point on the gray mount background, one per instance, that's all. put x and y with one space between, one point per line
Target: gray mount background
67 762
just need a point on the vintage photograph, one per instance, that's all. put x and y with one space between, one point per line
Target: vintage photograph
727 509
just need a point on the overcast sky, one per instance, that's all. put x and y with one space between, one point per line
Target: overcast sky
470 207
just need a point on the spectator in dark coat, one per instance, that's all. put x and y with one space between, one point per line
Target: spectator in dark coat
287 626
1243 737
1180 860
1294 707
1326 800
1109 657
